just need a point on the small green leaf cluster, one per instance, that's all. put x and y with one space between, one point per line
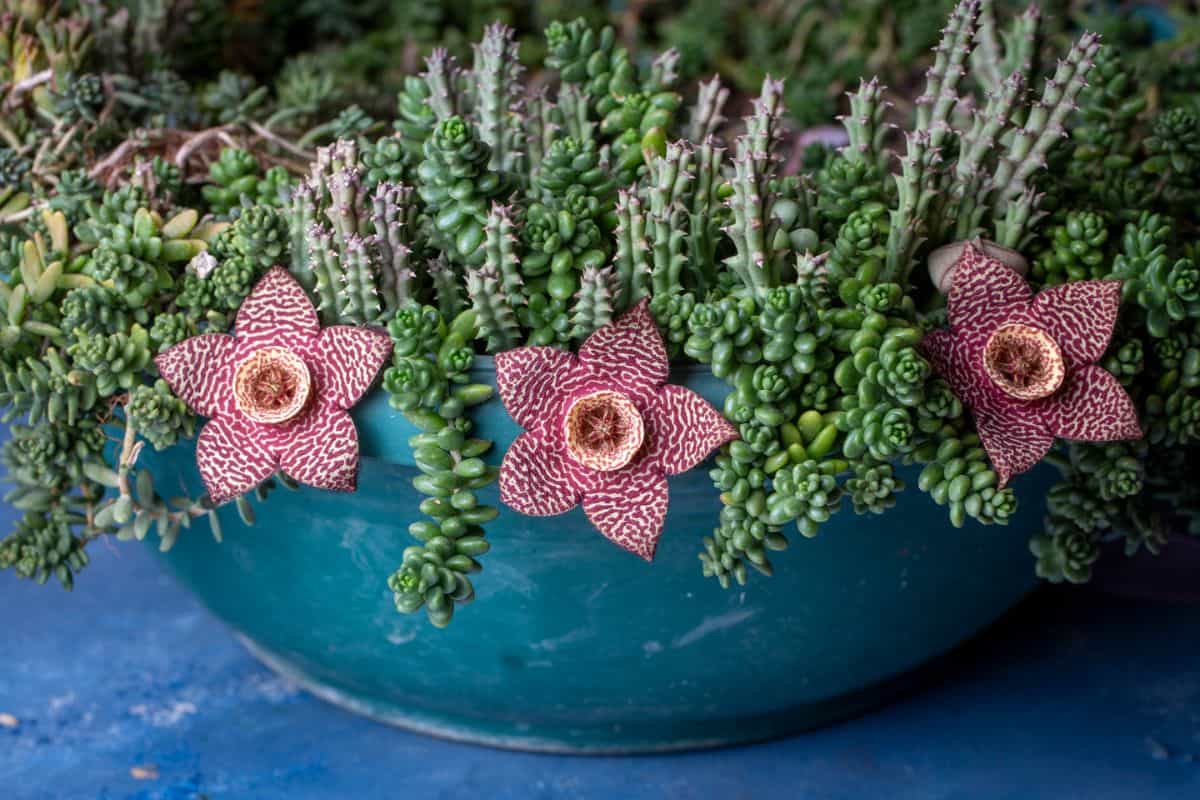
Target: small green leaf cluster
1173 150
1165 284
1076 250
959 476
1100 499
87 304
159 416
236 178
1116 194
457 188
567 230
44 545
48 457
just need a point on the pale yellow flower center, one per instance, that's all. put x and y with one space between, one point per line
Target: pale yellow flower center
1024 362
604 430
272 385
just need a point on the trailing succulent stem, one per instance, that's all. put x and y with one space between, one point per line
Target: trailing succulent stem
429 382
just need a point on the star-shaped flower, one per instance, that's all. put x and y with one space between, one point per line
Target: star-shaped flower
1025 364
276 392
603 428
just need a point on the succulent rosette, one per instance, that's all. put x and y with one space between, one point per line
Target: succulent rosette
1025 364
603 428
276 392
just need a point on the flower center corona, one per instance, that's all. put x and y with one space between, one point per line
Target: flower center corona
272 385
604 430
1024 362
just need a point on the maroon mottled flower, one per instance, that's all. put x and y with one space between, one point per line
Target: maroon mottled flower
603 428
1025 364
276 392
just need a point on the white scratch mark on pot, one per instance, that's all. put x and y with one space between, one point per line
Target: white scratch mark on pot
357 539
596 594
552 644
712 625
507 578
401 636
651 647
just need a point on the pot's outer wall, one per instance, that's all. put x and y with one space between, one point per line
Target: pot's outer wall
575 644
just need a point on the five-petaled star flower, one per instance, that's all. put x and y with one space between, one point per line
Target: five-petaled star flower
1025 364
276 391
603 427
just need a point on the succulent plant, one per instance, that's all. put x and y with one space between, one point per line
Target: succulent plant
139 206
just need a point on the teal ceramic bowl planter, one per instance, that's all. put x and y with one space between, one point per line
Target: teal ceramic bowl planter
576 645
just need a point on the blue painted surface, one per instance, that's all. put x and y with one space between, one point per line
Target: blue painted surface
576 644
1075 695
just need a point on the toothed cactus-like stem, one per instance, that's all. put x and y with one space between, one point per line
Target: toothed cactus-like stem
346 211
594 301
864 124
988 55
669 249
670 176
750 204
664 71
670 183
915 191
763 127
1026 151
949 66
1021 43
446 289
998 55
501 253
308 200
705 229
354 252
326 270
394 219
576 115
342 154
497 73
1020 214
753 227
360 299
920 168
441 76
302 218
707 115
496 322
633 264
542 121
988 126
970 185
